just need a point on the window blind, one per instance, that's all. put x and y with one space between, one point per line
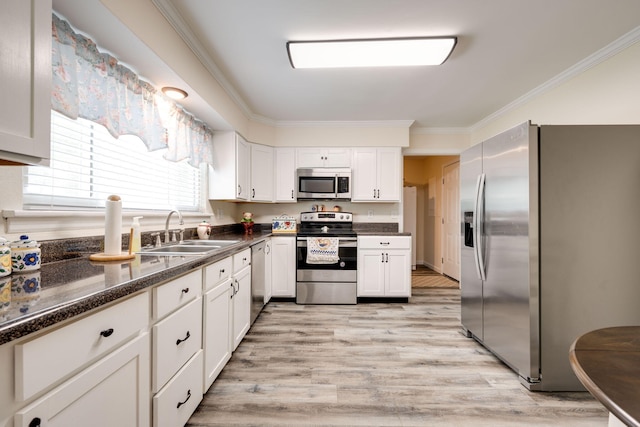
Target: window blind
88 165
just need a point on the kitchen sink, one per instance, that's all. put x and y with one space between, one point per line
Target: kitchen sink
217 243
189 247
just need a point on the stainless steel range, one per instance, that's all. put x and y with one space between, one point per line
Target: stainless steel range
327 257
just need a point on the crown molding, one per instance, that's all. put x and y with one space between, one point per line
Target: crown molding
182 28
347 124
589 62
439 131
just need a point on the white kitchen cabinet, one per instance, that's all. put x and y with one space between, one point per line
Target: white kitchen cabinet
217 319
285 171
283 266
112 392
241 281
377 175
268 270
384 266
323 157
262 179
229 174
25 81
76 345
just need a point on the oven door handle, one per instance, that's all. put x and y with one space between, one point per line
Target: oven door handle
342 243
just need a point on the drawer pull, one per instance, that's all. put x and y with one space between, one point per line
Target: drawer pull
222 271
185 291
385 243
107 332
35 422
183 340
185 401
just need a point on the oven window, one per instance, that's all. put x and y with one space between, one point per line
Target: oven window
317 184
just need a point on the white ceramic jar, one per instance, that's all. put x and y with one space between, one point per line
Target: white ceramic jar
204 230
25 255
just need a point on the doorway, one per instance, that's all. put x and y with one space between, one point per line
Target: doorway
426 173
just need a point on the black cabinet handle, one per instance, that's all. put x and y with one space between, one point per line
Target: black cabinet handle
35 422
222 271
183 340
107 332
185 291
185 401
234 290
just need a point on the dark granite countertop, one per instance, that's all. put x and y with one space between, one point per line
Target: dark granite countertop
69 284
62 289
607 363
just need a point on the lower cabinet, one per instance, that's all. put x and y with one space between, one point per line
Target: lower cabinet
384 266
112 392
283 266
241 283
217 330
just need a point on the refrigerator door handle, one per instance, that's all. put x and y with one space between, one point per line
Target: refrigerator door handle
478 217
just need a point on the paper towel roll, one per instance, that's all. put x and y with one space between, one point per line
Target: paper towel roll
113 226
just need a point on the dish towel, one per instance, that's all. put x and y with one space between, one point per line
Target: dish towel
322 250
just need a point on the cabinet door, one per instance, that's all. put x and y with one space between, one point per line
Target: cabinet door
112 392
365 175
217 331
283 267
371 273
243 169
388 176
241 305
309 157
285 175
398 266
337 158
268 257
261 173
25 83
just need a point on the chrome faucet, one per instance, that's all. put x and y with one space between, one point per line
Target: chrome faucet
166 226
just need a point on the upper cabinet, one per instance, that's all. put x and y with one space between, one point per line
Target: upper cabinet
229 175
323 157
261 173
25 81
377 174
285 175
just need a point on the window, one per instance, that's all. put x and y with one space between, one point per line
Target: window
88 165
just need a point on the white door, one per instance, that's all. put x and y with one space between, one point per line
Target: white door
451 221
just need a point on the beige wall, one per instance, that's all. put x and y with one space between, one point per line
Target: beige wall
426 173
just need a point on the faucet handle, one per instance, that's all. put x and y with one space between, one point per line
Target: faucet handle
157 243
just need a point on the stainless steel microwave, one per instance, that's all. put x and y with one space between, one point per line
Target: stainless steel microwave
324 184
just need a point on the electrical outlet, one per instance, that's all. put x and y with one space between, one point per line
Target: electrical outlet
370 213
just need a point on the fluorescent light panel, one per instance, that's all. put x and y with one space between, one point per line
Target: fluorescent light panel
370 52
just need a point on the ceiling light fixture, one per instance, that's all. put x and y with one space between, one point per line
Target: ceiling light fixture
370 52
174 92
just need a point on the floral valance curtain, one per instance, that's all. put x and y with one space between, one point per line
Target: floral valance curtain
93 85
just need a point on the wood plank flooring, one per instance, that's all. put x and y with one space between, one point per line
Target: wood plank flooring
375 364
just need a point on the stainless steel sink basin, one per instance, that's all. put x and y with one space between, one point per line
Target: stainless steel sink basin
180 250
218 243
190 247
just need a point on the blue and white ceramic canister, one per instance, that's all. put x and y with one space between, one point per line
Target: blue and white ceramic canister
25 255
5 258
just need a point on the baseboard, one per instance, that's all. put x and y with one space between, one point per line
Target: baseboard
433 267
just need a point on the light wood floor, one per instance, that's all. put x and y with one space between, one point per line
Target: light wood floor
377 365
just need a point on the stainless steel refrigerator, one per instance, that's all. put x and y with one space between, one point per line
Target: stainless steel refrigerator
550 229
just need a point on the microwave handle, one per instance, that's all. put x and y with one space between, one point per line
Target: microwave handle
335 186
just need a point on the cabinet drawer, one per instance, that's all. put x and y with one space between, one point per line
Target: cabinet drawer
175 340
111 392
175 403
176 293
42 361
384 242
241 260
217 272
